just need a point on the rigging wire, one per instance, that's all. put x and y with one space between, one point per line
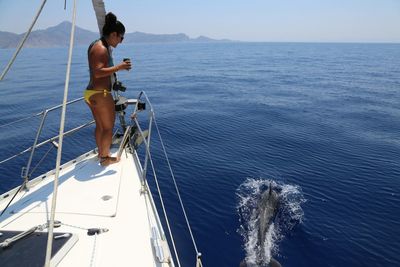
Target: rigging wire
198 254
164 211
40 161
148 154
176 187
22 42
60 141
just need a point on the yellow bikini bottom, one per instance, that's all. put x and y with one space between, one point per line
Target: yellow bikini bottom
88 93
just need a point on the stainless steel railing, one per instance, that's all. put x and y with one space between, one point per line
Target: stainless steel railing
142 98
148 159
44 114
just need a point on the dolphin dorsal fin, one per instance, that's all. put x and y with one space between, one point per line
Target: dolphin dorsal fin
270 188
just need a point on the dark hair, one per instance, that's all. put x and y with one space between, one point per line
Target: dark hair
112 25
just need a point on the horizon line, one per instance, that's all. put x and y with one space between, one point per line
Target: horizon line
238 41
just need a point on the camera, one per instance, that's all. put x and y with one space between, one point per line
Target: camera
141 105
118 86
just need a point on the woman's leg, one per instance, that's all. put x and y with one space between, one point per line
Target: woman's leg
97 131
104 114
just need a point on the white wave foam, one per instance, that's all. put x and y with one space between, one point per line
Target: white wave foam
289 214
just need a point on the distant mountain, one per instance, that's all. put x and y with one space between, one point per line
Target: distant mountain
59 36
50 37
141 37
204 39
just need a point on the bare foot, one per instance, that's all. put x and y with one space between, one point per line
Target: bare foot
100 157
105 161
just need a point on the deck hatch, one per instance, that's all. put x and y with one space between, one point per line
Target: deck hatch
31 250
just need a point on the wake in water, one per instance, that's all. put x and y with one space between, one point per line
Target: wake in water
254 202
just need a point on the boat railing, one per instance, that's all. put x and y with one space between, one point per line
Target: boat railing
127 134
152 122
142 102
146 141
25 173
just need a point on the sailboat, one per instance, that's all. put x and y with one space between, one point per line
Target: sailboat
83 214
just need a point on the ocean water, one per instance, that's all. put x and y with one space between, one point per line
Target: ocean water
321 122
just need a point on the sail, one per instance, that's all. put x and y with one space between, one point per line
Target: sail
100 10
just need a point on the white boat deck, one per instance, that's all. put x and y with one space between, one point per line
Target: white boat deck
92 196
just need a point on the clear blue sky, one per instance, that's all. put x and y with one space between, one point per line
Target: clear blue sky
246 20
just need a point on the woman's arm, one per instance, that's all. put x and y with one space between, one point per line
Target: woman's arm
98 60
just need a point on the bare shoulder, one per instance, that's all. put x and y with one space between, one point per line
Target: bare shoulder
98 49
98 53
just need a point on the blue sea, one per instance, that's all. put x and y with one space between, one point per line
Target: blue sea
319 122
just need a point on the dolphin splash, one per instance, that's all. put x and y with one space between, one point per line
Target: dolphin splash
267 210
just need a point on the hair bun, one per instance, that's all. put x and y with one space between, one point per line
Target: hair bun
111 19
112 25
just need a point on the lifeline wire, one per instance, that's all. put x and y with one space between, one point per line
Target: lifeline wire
198 259
159 190
60 142
164 211
176 187
23 184
41 113
20 120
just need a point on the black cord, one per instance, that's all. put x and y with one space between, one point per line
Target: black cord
16 193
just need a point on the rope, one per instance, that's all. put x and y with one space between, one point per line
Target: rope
92 258
16 193
60 143
22 41
75 226
176 187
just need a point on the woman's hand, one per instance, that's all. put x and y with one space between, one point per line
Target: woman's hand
124 65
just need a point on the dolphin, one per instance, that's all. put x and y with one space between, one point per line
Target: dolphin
266 210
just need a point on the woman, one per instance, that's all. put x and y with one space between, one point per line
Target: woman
98 92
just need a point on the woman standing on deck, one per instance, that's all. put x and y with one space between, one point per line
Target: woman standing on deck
98 92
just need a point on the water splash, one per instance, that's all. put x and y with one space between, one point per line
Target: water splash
289 214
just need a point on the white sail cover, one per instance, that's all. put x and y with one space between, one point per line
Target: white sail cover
100 10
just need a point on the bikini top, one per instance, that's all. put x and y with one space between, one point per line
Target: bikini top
110 60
